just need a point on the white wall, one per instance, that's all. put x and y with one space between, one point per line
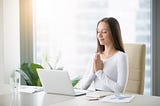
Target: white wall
9 38
1 42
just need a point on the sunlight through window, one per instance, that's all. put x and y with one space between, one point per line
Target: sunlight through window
67 29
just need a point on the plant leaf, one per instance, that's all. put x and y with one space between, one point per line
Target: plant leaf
31 71
25 68
34 69
25 77
39 82
75 81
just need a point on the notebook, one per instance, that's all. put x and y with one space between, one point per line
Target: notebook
58 82
97 95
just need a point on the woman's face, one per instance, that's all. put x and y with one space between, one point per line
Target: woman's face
103 33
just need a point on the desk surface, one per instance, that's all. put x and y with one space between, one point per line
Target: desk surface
43 99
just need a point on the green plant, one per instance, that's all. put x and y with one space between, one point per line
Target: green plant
75 81
28 72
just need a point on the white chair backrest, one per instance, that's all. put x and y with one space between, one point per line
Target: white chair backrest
136 59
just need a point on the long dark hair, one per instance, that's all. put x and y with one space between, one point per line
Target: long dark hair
115 35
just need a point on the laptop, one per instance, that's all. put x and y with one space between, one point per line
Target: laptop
58 82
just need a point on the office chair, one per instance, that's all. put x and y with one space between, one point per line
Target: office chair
136 60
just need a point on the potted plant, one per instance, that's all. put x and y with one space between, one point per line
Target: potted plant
28 72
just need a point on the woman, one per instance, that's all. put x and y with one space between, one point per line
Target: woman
109 66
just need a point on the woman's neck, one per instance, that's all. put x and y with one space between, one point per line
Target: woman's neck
109 51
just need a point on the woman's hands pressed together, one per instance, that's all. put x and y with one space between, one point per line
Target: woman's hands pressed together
97 63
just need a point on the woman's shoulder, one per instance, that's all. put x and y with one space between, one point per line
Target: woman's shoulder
121 54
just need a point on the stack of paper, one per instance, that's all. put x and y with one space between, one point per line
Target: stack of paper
119 98
97 95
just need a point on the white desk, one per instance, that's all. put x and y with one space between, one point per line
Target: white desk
43 99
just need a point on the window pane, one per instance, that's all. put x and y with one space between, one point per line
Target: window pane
67 29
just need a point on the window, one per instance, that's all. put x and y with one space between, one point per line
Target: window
66 29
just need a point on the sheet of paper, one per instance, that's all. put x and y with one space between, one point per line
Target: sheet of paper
97 95
30 89
118 98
